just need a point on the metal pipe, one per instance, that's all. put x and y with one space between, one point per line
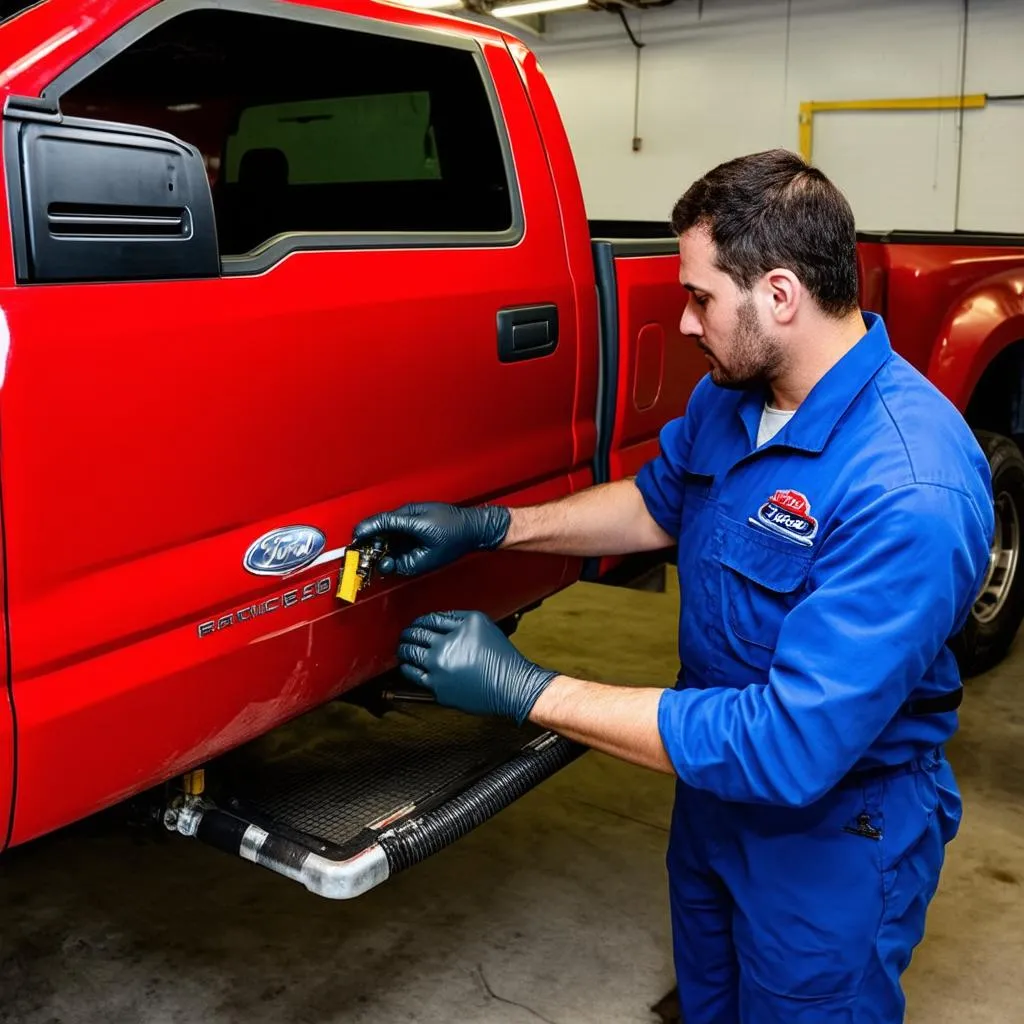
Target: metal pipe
637 141
809 108
333 879
960 119
393 849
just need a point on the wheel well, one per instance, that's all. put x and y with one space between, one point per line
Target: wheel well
997 403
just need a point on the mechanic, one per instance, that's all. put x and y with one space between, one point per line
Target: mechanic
833 516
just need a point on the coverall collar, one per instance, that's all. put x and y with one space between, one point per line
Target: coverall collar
813 422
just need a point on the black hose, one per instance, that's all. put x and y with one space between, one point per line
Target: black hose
410 844
222 830
226 832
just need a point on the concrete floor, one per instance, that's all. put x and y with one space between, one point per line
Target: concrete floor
554 911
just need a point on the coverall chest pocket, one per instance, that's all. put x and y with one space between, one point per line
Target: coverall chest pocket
762 579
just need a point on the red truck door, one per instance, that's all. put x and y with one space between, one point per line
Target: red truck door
190 433
650 368
6 746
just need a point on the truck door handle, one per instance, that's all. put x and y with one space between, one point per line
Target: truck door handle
527 332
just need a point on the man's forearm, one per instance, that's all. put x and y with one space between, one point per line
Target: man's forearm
618 720
610 519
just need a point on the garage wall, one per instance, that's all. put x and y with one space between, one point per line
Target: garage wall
732 81
992 187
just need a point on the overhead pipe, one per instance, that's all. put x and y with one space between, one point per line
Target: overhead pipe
812 107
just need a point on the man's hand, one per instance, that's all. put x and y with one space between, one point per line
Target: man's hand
466 660
430 535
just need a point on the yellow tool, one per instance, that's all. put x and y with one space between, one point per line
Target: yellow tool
194 782
358 568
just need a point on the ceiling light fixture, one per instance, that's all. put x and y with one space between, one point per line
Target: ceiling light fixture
536 7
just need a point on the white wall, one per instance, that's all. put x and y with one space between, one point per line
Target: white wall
732 82
992 184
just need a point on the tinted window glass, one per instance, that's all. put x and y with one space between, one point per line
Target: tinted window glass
387 137
314 129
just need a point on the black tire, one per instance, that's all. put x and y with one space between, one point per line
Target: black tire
997 616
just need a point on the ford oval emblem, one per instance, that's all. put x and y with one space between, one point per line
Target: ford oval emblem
283 551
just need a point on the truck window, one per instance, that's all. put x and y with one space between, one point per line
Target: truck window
387 137
315 128
15 7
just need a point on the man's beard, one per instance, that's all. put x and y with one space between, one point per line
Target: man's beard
755 357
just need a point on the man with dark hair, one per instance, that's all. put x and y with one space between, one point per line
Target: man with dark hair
833 516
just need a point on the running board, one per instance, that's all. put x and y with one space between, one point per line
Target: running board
342 800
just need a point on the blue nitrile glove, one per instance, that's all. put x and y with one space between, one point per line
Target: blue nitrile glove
469 664
428 535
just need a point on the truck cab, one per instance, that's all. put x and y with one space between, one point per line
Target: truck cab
244 308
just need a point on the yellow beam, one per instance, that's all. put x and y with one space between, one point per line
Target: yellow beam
913 103
806 130
809 108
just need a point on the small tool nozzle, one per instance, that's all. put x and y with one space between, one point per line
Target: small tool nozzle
358 568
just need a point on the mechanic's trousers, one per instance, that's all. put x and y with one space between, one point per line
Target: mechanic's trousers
807 915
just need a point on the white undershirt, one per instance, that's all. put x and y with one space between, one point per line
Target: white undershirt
772 421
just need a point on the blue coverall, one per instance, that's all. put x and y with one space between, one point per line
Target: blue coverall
820 576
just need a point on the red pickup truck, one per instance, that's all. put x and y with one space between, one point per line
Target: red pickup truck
251 250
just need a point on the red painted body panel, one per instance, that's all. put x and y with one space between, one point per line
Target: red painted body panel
654 359
658 367
949 309
7 738
975 331
872 271
577 247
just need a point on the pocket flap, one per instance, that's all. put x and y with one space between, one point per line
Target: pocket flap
771 562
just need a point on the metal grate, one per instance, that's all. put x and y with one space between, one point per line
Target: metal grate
340 770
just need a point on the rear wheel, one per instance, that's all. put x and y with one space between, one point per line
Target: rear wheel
999 607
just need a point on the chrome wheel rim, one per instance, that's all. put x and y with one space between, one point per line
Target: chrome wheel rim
1002 561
